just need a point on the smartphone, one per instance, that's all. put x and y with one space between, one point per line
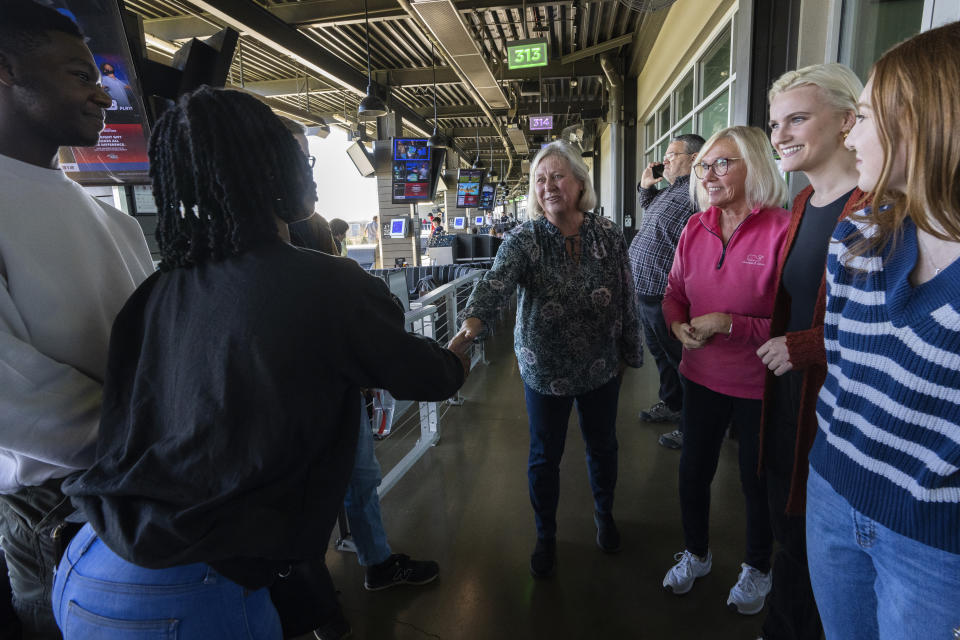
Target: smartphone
657 170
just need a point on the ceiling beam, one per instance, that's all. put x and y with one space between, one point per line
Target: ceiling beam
315 13
588 107
555 70
603 47
279 36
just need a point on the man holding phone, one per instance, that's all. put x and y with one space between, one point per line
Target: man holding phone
651 256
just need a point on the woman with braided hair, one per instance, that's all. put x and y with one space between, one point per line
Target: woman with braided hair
229 420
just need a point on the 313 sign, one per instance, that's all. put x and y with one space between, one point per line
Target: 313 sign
525 54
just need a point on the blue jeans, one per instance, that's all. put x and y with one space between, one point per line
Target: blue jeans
362 502
665 348
871 582
549 415
98 594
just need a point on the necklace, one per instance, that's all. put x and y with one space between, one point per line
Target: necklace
928 255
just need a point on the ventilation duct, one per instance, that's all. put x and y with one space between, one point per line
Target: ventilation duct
518 139
444 21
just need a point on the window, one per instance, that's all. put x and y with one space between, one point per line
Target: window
715 115
715 66
700 100
868 28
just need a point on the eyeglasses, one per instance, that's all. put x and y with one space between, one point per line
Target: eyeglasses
311 160
719 166
670 155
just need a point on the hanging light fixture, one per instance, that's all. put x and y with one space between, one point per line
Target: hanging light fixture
371 106
436 141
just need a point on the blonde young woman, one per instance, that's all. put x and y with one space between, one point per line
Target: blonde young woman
718 304
883 494
811 112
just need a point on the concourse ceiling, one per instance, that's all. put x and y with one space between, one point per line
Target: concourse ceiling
308 59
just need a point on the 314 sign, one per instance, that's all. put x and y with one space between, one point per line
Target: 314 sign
541 122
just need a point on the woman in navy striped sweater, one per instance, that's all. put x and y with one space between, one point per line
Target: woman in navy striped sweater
883 496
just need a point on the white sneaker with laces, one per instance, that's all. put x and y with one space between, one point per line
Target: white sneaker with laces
748 595
689 567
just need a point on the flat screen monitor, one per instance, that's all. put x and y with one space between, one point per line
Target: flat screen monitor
397 283
468 187
487 193
398 228
360 159
412 171
120 156
478 220
459 222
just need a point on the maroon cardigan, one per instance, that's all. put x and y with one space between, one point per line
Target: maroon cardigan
807 354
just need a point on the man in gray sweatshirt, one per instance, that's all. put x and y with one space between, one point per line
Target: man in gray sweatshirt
68 262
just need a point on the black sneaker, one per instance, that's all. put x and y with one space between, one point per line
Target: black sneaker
337 628
608 537
543 560
400 569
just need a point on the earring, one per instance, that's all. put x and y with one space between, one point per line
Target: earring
844 134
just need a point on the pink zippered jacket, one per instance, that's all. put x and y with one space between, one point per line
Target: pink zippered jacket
739 279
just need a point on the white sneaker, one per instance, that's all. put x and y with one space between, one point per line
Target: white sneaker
750 592
688 568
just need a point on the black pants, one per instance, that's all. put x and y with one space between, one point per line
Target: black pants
706 415
791 609
34 538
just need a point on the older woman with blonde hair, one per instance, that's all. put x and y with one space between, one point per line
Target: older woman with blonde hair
577 327
883 493
811 112
718 303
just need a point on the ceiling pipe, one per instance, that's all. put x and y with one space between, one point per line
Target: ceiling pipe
466 82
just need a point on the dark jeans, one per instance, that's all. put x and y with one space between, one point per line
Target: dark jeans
549 415
664 347
34 538
706 415
791 610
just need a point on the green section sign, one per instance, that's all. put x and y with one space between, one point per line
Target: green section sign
525 54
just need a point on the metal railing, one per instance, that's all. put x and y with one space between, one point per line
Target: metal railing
434 315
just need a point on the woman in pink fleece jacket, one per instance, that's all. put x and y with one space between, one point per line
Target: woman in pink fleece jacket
718 303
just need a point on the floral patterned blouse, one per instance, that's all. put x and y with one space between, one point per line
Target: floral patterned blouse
576 320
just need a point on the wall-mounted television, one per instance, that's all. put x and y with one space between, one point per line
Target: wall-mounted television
361 160
412 171
459 222
469 182
120 156
487 193
398 228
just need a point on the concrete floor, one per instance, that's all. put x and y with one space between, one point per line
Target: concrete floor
465 505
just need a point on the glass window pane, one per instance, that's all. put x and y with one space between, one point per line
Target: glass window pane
664 118
686 127
715 67
663 149
715 116
685 96
868 28
649 132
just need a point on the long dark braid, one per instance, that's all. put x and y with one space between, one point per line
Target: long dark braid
222 166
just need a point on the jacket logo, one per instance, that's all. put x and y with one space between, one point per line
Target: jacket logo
755 258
